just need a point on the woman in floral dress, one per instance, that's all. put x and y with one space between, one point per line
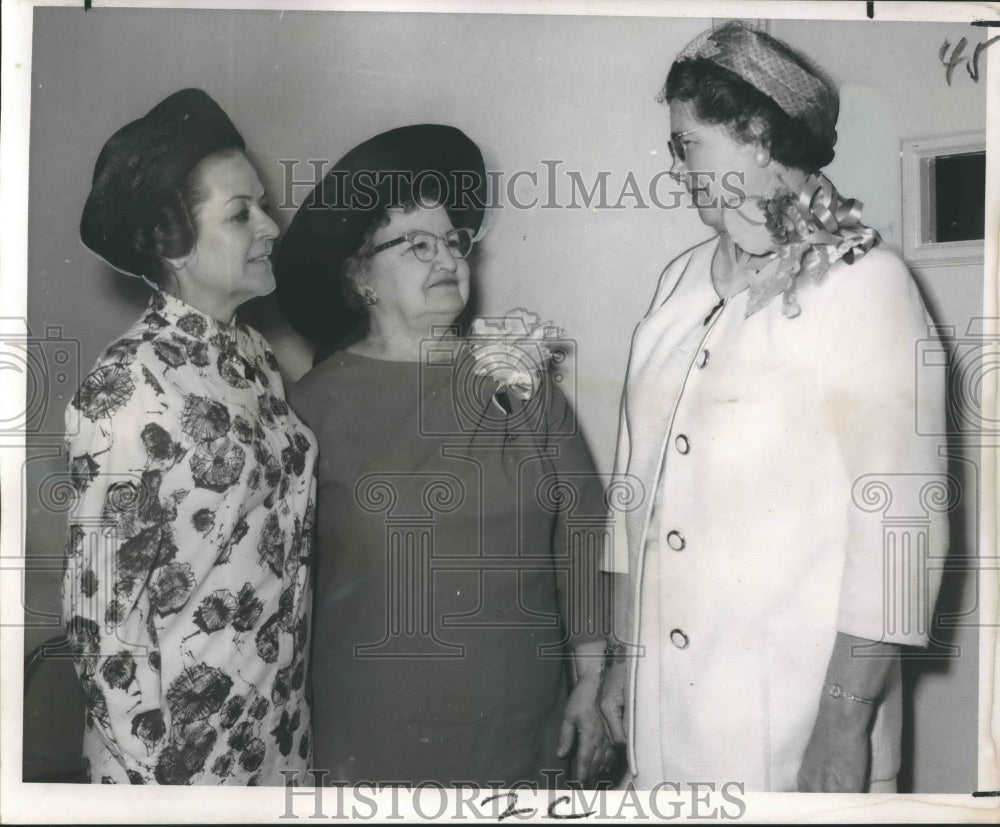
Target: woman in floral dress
187 592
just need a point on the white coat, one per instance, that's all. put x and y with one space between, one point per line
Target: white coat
765 446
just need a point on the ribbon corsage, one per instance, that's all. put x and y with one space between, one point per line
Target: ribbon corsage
513 350
812 230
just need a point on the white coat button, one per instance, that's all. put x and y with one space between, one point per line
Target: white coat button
678 638
683 444
703 358
676 540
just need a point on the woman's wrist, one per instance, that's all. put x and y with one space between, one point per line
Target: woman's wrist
589 660
839 710
835 690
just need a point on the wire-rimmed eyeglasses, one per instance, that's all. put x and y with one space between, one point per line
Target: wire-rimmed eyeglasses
676 143
424 244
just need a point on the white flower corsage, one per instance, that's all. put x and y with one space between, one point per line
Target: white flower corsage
513 350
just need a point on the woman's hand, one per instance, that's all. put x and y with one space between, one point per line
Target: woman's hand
839 750
582 719
838 753
613 700
582 723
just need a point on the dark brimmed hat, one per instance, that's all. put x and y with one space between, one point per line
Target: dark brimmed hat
142 165
423 164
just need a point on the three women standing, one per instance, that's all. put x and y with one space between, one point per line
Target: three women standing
188 594
772 376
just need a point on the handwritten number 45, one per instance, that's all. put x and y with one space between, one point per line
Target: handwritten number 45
972 66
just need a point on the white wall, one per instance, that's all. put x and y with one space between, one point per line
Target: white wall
527 89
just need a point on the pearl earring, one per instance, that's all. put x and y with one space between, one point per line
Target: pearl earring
369 295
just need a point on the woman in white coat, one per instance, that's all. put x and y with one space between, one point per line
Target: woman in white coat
771 405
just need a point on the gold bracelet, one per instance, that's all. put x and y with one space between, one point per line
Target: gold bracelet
837 691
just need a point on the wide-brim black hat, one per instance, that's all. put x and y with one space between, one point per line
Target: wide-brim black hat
142 165
422 163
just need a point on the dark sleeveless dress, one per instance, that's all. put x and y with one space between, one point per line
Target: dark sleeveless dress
457 568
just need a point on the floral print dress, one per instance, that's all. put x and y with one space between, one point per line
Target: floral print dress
187 594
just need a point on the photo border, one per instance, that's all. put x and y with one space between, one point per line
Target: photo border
38 803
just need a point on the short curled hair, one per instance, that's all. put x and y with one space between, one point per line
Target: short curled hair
723 97
174 228
353 266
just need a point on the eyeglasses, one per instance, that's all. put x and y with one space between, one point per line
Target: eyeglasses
425 245
676 143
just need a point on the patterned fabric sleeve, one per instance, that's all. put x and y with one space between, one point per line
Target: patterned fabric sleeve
187 589
135 451
117 455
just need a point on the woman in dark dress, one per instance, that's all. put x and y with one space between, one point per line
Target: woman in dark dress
454 576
